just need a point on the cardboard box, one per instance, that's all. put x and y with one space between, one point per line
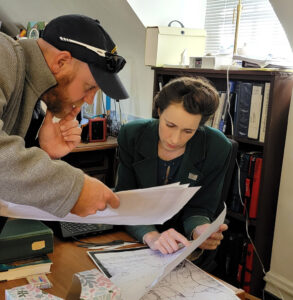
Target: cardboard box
165 45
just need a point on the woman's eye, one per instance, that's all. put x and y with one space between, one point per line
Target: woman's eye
170 125
188 131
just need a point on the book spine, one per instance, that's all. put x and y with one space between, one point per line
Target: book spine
218 114
249 182
255 188
264 112
243 108
248 268
255 111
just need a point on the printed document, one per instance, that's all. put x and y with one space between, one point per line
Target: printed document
139 271
137 207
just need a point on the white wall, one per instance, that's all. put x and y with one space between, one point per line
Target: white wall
125 28
280 277
122 24
160 12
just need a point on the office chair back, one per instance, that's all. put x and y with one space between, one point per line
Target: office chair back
230 170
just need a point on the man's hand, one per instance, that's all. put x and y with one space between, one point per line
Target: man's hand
214 240
58 139
93 197
166 242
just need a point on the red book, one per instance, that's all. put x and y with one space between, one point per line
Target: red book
255 188
248 183
248 268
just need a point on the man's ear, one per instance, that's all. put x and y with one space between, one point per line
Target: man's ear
60 61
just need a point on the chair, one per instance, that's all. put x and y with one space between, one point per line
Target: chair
229 172
208 261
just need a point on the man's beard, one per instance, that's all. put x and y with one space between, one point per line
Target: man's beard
56 97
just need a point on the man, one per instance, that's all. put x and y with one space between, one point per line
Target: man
72 60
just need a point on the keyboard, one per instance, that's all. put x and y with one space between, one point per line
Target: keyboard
70 229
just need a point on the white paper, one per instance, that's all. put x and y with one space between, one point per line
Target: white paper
137 207
136 272
189 282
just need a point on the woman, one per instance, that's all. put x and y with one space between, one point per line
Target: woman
177 148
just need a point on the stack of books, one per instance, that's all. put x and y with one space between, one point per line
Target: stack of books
24 247
23 268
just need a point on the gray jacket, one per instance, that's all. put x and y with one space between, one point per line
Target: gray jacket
28 175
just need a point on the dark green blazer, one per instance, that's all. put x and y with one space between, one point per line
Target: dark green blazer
204 164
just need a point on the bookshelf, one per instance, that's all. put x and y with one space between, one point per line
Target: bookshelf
281 83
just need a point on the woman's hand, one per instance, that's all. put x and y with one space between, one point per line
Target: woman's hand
166 242
214 240
58 139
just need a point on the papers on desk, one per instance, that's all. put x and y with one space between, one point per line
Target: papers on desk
139 271
137 207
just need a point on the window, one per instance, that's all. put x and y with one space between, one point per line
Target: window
259 28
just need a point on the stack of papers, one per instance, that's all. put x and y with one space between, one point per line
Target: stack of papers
137 207
158 275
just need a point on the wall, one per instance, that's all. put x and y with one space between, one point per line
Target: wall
280 277
159 12
122 24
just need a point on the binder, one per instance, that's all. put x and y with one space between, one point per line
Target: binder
255 111
242 108
264 114
255 188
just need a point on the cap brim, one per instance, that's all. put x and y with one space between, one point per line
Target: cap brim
109 83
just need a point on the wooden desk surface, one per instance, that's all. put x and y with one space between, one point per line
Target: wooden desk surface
110 143
69 259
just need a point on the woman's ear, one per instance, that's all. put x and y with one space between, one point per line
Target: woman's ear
159 112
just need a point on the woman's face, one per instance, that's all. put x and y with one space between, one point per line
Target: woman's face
176 127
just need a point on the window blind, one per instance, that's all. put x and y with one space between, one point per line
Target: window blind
259 28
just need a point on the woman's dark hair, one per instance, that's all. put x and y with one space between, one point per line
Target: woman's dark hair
197 95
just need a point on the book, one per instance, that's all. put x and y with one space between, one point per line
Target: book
23 268
255 111
242 108
264 114
248 268
21 239
218 113
255 188
229 103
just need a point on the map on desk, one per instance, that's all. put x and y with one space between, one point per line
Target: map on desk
150 275
146 206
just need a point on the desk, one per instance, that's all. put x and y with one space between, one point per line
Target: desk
96 159
69 259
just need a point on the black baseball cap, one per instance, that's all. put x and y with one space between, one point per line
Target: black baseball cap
87 41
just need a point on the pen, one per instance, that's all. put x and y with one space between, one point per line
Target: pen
112 243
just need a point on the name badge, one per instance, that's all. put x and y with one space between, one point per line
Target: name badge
192 176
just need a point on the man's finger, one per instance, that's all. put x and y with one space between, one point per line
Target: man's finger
48 117
72 115
114 201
